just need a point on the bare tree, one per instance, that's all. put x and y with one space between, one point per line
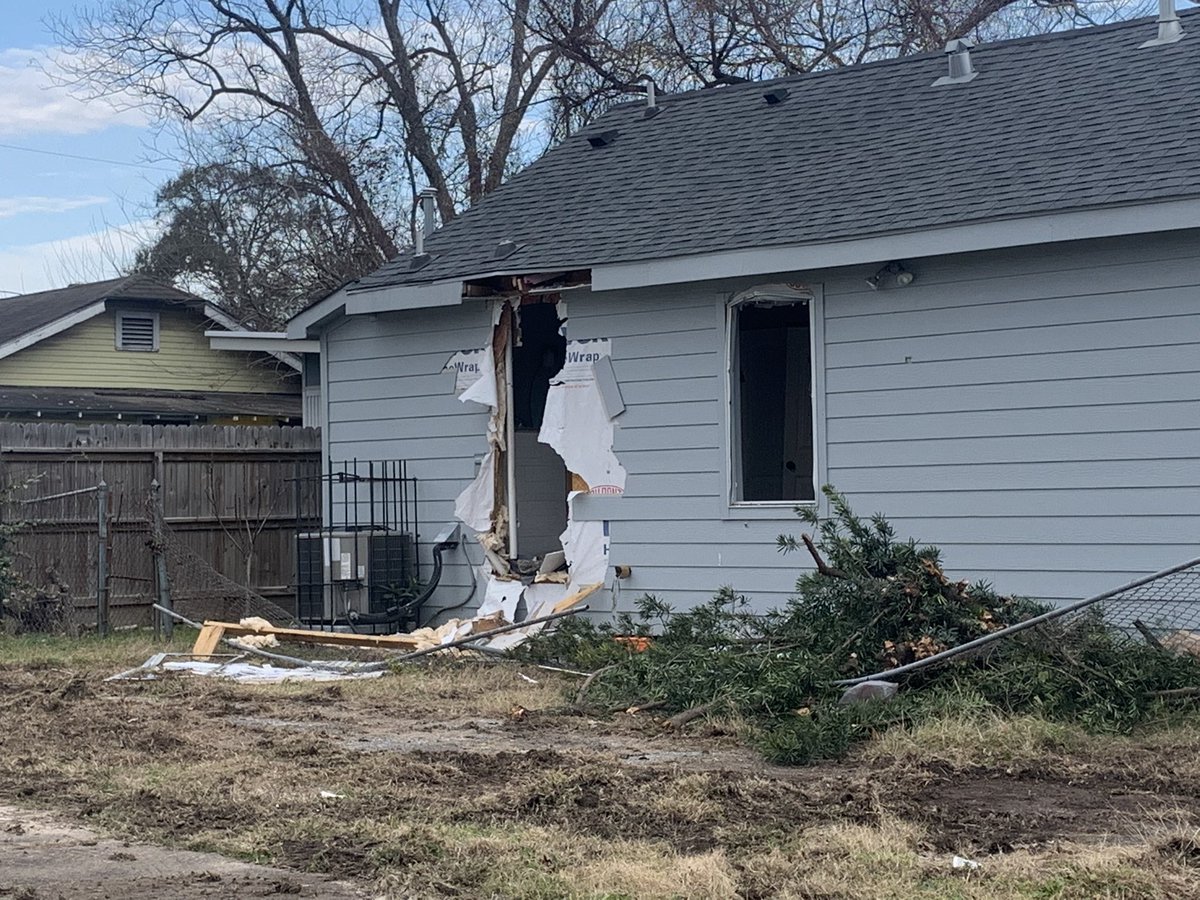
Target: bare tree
248 237
448 82
253 509
612 47
353 104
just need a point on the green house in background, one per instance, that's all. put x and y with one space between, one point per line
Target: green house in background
132 350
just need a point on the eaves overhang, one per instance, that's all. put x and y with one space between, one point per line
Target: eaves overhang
1149 218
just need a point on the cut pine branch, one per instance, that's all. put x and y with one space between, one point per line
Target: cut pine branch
823 567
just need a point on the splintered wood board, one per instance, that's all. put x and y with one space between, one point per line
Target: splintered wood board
571 599
208 640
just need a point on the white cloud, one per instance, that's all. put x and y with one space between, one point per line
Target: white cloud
103 253
15 206
31 103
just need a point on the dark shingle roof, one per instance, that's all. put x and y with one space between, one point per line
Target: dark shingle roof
1072 120
23 314
21 401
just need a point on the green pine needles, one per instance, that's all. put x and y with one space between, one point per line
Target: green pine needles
873 602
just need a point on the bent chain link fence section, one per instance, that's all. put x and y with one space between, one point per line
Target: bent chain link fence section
1162 608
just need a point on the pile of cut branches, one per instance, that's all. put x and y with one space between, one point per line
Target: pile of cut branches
873 602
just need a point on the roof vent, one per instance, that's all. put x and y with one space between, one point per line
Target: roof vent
425 201
504 249
776 96
958 54
603 138
1169 28
419 261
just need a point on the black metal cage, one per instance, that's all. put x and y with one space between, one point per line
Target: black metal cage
363 557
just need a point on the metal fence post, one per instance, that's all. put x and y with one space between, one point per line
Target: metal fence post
102 558
163 624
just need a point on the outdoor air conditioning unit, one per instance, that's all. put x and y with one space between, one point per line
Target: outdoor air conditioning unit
339 571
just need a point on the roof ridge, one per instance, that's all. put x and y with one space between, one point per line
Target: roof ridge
65 287
873 64
120 284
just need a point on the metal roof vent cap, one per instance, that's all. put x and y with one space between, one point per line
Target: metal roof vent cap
958 54
603 138
1169 27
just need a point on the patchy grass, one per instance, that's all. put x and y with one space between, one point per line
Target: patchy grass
540 805
982 739
89 653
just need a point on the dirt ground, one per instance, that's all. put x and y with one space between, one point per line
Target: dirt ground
42 856
469 781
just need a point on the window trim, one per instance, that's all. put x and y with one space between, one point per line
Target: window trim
731 428
129 314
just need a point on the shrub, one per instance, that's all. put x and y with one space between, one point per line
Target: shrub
874 602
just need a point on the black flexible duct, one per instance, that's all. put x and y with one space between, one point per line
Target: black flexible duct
394 615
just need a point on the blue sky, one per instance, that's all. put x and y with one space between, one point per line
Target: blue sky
62 218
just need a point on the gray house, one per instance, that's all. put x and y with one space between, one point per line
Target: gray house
963 288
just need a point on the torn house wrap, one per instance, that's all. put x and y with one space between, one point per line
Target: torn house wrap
576 422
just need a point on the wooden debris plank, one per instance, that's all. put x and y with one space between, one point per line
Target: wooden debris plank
208 639
571 599
308 636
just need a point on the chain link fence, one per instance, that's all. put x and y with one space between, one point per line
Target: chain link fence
1161 609
190 585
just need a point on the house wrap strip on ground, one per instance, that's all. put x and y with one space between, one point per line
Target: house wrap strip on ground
963 288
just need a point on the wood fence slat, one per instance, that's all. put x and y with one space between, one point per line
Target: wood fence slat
214 480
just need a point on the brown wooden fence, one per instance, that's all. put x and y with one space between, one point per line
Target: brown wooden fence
233 497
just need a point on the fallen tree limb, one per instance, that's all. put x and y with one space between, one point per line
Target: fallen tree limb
639 708
1177 692
1149 635
823 567
587 683
680 719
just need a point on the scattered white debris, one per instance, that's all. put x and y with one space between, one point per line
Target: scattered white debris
527 678
330 795
961 862
235 670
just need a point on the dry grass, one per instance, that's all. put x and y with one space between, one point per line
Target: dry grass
981 738
174 762
89 653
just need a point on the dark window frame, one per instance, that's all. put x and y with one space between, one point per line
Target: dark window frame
809 481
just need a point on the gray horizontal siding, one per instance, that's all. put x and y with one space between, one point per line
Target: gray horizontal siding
1036 413
1040 426
388 398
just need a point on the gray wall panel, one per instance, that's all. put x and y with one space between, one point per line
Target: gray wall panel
388 398
1045 430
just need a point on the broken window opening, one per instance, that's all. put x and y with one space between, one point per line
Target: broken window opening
541 480
772 401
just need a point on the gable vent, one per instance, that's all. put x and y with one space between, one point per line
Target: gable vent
137 332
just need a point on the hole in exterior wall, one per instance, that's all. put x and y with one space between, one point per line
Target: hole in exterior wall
541 478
